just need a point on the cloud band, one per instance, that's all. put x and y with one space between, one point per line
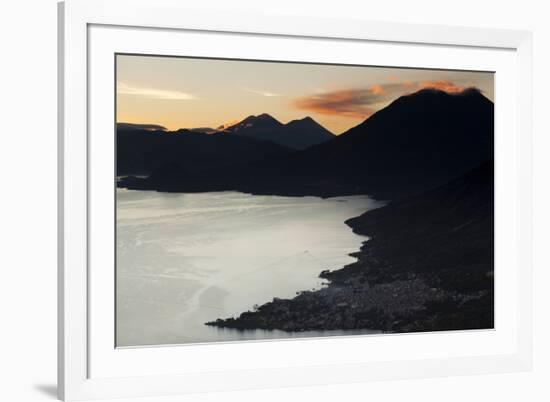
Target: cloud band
361 103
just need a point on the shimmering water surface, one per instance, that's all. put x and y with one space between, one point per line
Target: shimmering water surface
185 259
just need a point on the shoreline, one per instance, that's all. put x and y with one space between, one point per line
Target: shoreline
135 183
423 268
382 307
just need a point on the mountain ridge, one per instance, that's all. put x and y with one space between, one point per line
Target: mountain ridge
144 151
417 142
297 134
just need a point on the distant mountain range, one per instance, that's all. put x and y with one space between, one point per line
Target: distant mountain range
418 142
143 151
143 148
297 134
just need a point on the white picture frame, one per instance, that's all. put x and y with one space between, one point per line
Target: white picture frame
89 367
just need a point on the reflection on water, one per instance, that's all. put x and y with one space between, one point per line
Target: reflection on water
185 259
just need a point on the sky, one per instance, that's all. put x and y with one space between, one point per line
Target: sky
179 92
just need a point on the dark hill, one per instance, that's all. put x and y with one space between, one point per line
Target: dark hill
261 122
297 134
427 266
304 133
417 142
142 151
446 233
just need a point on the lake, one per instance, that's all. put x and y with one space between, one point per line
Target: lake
185 259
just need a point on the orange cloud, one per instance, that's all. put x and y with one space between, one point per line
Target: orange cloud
361 103
348 103
442 85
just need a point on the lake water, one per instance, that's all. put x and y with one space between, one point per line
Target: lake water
185 259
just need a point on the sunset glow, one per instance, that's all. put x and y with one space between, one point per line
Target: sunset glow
187 92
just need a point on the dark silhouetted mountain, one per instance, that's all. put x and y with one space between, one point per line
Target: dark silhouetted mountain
456 216
140 152
262 122
297 134
305 133
418 142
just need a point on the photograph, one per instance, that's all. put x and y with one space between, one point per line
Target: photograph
285 201
266 199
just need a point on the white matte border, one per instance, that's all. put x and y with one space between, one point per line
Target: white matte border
105 361
512 354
